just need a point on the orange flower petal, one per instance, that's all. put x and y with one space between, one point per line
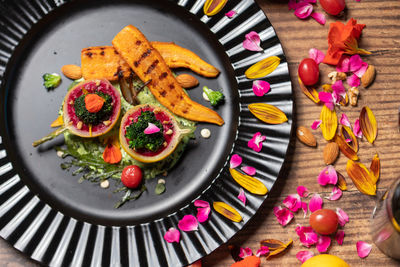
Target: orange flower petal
341 182
227 211
362 178
58 122
249 183
268 113
327 88
368 124
310 92
345 148
329 123
347 133
375 167
112 154
263 67
275 246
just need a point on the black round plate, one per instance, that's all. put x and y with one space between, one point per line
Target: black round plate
53 219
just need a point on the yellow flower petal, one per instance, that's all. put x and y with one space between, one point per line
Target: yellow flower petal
249 183
263 67
345 148
310 92
212 7
58 122
362 178
329 123
368 124
227 211
268 113
341 182
375 167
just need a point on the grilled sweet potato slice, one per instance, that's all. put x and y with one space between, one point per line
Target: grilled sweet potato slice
148 64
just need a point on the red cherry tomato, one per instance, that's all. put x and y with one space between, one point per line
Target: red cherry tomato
324 221
131 176
309 71
332 7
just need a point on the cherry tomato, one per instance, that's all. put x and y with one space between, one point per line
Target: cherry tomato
309 71
324 221
131 176
332 7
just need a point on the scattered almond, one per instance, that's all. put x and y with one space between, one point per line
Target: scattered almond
73 72
306 136
368 77
187 80
331 152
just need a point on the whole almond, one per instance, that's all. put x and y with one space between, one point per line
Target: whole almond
331 152
306 136
368 77
187 80
73 72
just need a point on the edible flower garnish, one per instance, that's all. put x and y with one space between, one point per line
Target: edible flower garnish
304 9
57 122
315 125
336 194
343 217
339 236
323 243
230 14
310 92
316 54
188 223
341 182
252 42
349 149
304 207
151 128
343 39
112 153
203 210
307 235
375 167
363 249
172 235
357 129
368 124
304 255
249 183
263 67
212 7
292 202
93 103
255 143
242 196
235 161
261 87
263 250
344 120
362 178
283 215
302 191
249 170
315 203
327 99
245 252
268 113
328 176
339 91
353 81
227 211
329 123
275 246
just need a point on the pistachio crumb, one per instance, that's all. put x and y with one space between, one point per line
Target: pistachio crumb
165 144
205 133
169 132
79 125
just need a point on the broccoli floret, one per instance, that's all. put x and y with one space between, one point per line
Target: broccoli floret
93 118
138 139
215 97
51 80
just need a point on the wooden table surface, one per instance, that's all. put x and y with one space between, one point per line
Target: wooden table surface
303 164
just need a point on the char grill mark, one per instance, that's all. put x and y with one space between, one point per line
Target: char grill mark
152 66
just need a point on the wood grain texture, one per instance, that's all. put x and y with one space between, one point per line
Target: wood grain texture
382 37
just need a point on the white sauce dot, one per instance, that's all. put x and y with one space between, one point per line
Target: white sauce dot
60 154
161 181
205 97
205 133
105 184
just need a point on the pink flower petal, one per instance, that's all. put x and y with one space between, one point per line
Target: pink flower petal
230 14
316 124
151 128
304 255
339 89
357 129
336 194
327 98
256 142
292 4
188 223
302 191
353 81
344 120
304 207
319 17
355 63
316 54
303 10
252 42
262 251
292 202
307 235
344 64
315 203
328 176
339 236
360 72
343 217
260 87
383 235
172 235
249 170
245 252
236 160
323 243
201 203
363 249
202 214
242 196
283 215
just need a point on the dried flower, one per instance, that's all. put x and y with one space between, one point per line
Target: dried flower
227 211
268 113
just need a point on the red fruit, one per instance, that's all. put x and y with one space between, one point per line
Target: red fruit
131 176
332 7
308 71
324 221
